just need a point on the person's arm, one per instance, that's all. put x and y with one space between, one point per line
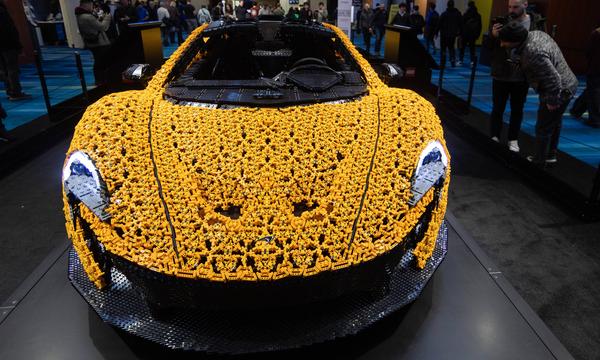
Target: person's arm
540 70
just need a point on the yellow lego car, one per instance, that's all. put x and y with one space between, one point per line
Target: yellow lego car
265 158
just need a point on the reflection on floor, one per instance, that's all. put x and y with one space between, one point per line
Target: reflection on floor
577 139
60 69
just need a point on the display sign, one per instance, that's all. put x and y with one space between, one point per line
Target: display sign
344 15
394 9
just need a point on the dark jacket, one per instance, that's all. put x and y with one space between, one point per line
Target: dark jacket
432 23
545 68
451 23
379 18
471 24
403 20
417 22
9 39
365 20
501 67
121 12
593 54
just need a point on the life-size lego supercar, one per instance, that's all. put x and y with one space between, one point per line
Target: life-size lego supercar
263 157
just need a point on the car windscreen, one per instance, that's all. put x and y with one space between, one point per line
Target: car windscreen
266 63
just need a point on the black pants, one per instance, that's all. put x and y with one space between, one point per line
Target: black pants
367 38
547 131
463 45
593 99
501 91
447 43
101 63
379 31
9 71
429 40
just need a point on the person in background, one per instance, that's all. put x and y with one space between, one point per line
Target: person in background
589 100
93 32
593 79
417 22
365 24
450 28
142 11
321 13
254 10
293 13
508 81
151 7
216 12
379 21
10 47
4 137
190 16
402 17
264 10
278 10
175 20
305 12
546 70
240 11
432 21
229 12
162 14
124 14
471 30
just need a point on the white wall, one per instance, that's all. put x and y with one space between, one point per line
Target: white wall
67 8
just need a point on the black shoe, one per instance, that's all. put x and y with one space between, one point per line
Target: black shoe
550 160
19 97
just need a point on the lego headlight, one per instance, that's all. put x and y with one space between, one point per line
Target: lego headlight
430 170
82 183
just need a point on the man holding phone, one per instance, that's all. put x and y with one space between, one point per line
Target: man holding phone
508 80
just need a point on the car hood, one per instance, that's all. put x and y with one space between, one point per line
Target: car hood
261 193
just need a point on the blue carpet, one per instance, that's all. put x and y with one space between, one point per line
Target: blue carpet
60 69
577 139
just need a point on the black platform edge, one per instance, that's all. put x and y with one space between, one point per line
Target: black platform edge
529 315
546 336
570 182
32 279
34 137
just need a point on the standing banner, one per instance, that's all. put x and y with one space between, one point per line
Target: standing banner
344 16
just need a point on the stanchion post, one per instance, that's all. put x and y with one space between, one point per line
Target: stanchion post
471 83
81 75
40 70
441 79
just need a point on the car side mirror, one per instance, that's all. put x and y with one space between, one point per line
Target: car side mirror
392 73
138 74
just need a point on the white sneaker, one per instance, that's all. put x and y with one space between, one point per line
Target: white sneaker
513 145
495 138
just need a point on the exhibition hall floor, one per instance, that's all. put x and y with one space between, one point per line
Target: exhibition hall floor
549 256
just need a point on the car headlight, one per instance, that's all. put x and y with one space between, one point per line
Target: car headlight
430 171
82 183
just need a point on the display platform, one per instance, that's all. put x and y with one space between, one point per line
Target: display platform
468 311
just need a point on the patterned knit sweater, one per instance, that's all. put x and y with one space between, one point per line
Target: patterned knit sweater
545 68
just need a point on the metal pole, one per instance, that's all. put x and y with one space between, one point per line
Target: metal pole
471 83
81 75
38 65
441 79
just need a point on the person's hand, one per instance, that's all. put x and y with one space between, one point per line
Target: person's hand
496 30
552 107
371 30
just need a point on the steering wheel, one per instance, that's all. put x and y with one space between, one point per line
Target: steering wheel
308 61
